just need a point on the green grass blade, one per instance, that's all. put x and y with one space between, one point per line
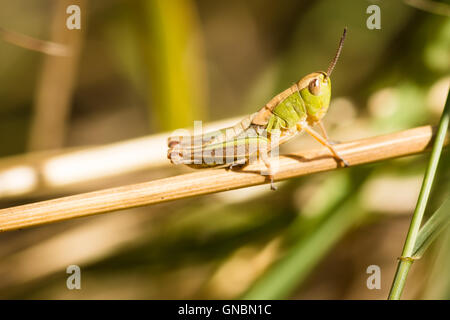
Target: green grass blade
332 221
297 264
172 51
405 264
432 228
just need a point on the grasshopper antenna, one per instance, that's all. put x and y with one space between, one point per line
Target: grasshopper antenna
338 53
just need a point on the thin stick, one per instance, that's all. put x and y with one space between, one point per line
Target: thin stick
56 85
21 40
214 180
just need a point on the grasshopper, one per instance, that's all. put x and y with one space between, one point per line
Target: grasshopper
295 110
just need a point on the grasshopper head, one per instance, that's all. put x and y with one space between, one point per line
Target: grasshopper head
315 90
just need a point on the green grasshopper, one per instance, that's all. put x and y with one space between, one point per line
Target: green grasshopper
293 111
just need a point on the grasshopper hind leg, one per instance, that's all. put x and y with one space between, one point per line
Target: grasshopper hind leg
240 164
237 164
271 178
266 161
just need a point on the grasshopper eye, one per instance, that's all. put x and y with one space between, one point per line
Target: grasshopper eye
314 87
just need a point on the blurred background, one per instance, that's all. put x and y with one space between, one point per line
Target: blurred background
137 70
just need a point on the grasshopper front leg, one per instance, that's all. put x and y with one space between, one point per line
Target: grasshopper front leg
325 135
322 141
